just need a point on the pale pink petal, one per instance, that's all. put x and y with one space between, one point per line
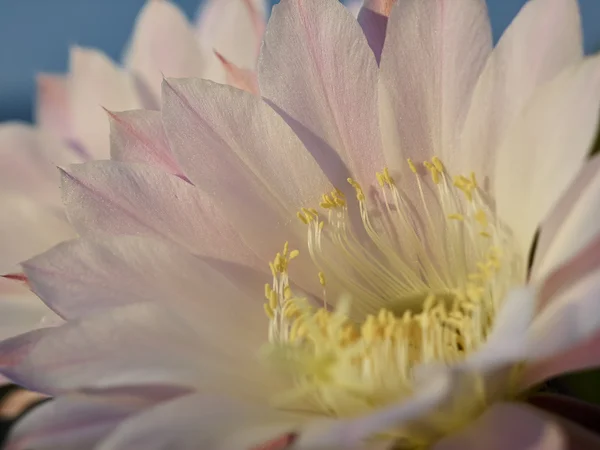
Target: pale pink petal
22 311
81 420
140 344
108 197
373 19
317 68
573 223
139 137
543 39
519 427
244 79
565 331
201 421
234 28
433 54
543 152
96 83
236 148
52 111
85 276
163 44
28 160
27 229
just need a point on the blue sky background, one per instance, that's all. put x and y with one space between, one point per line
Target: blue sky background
35 36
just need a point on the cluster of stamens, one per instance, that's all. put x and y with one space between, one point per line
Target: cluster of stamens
414 290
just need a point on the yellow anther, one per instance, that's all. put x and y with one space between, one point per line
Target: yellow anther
273 300
435 176
269 311
481 217
380 180
360 196
290 310
287 292
302 218
438 164
268 291
272 267
321 224
485 234
473 180
428 303
322 279
293 254
413 168
388 177
382 317
286 247
456 216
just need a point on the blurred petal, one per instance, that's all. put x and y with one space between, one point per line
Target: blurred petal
240 78
83 419
234 28
22 311
573 223
163 44
139 137
433 54
545 149
117 198
28 160
52 111
199 421
542 40
27 229
95 82
373 19
519 427
317 68
582 413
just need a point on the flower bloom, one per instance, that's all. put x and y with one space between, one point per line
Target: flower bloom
388 188
72 127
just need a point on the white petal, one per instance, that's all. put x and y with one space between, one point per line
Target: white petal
52 111
28 160
139 136
163 44
22 311
28 228
82 420
96 83
234 28
317 68
118 198
572 224
543 39
546 147
199 421
433 54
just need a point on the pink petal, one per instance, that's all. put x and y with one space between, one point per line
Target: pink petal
433 54
519 427
373 19
139 137
95 82
545 149
82 420
572 224
240 78
236 148
164 44
118 198
317 69
22 311
28 160
200 421
52 105
234 28
543 39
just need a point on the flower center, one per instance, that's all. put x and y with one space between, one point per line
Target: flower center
420 278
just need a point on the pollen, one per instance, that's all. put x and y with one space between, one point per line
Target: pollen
418 280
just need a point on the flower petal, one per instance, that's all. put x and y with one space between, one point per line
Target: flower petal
83 419
118 198
572 225
95 82
199 421
139 136
542 40
317 68
433 54
373 19
22 311
244 79
546 147
236 148
164 44
28 228
52 111
234 28
513 426
28 160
